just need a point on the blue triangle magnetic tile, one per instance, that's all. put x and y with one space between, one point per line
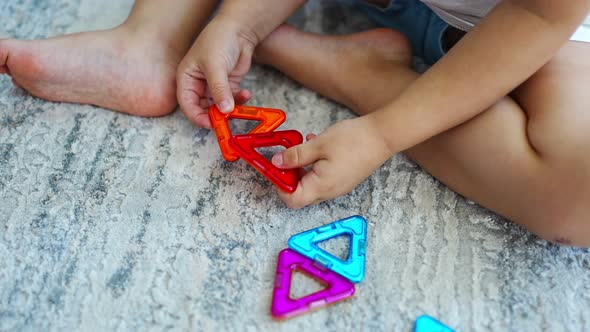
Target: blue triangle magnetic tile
428 324
354 267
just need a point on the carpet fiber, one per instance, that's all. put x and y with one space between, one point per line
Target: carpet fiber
113 222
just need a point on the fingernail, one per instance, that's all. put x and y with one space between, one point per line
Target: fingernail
225 106
277 159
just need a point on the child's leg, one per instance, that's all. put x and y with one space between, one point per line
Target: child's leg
130 68
525 158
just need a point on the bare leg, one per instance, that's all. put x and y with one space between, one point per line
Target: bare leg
525 158
130 68
342 63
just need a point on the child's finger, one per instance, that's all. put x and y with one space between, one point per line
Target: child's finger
307 193
205 103
218 84
202 120
191 106
242 96
298 156
190 91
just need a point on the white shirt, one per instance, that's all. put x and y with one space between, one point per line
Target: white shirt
465 14
462 14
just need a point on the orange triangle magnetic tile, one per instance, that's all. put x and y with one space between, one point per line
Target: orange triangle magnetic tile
270 119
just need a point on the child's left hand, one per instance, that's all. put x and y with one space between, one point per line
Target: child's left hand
342 157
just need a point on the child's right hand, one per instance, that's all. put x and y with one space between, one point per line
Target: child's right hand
213 69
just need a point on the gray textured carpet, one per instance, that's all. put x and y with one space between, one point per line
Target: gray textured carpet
111 222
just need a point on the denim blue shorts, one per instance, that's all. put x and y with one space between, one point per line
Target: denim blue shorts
416 21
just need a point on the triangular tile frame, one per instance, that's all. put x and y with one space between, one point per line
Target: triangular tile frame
428 324
283 306
270 119
354 267
245 147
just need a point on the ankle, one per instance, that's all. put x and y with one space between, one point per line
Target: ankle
148 36
263 53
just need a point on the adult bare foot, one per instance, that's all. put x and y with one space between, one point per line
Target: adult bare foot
343 68
115 69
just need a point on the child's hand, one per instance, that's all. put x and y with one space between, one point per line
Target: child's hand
214 68
342 157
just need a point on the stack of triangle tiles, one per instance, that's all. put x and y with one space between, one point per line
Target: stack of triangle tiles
339 275
304 255
234 147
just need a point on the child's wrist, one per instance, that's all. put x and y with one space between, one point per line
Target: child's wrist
248 38
246 27
380 136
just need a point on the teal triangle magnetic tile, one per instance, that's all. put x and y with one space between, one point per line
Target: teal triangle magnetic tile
355 227
428 324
